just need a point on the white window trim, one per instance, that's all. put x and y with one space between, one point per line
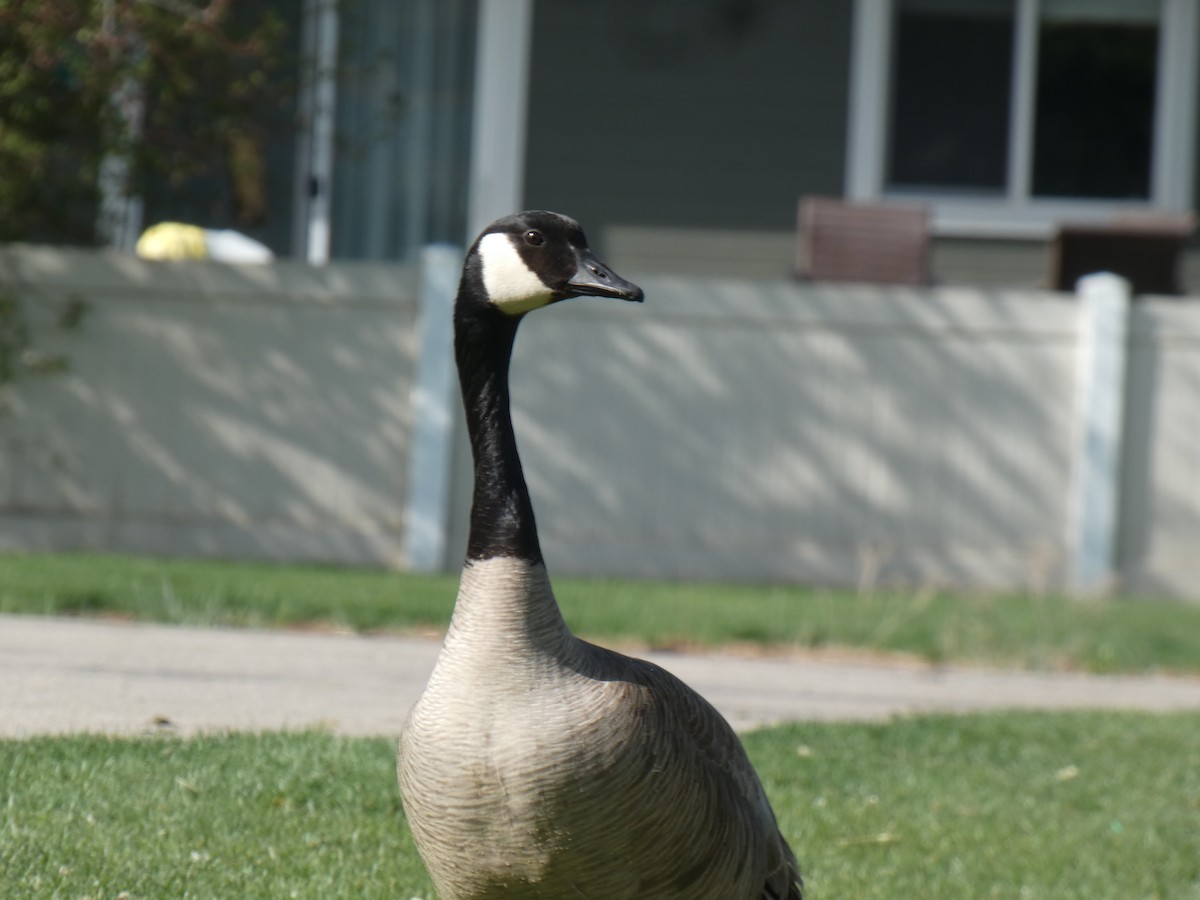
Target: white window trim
1018 215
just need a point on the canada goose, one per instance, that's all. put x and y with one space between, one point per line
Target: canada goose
535 764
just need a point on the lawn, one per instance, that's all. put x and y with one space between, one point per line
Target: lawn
1030 805
1087 805
1025 631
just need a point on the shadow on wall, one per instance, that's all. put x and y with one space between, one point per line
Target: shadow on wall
828 435
243 412
1160 500
726 430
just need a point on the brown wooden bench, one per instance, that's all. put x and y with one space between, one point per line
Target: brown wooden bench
1144 249
840 241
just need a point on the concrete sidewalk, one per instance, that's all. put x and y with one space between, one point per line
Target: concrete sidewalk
65 675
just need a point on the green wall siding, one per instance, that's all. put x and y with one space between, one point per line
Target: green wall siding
680 115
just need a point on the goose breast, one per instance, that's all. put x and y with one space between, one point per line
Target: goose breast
601 776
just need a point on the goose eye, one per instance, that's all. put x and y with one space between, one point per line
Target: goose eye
534 238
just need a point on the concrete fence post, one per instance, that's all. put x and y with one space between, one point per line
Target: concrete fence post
1100 406
427 509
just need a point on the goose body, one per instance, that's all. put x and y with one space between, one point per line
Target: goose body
535 764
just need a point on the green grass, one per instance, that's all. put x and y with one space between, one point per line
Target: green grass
1109 635
1086 805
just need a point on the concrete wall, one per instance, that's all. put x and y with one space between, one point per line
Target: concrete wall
1159 537
726 429
246 412
769 431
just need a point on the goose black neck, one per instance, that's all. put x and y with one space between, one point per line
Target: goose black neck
502 522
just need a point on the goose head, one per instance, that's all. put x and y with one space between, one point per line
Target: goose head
532 259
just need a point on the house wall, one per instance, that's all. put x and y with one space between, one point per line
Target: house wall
209 410
667 117
767 255
685 140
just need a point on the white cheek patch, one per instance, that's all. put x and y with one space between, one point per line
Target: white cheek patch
510 284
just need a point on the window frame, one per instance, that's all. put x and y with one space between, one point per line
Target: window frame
1018 214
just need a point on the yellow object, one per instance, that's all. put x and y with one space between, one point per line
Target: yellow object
172 240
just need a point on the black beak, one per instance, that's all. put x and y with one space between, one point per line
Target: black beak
593 278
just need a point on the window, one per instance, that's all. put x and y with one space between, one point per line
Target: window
1095 92
1006 116
950 132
